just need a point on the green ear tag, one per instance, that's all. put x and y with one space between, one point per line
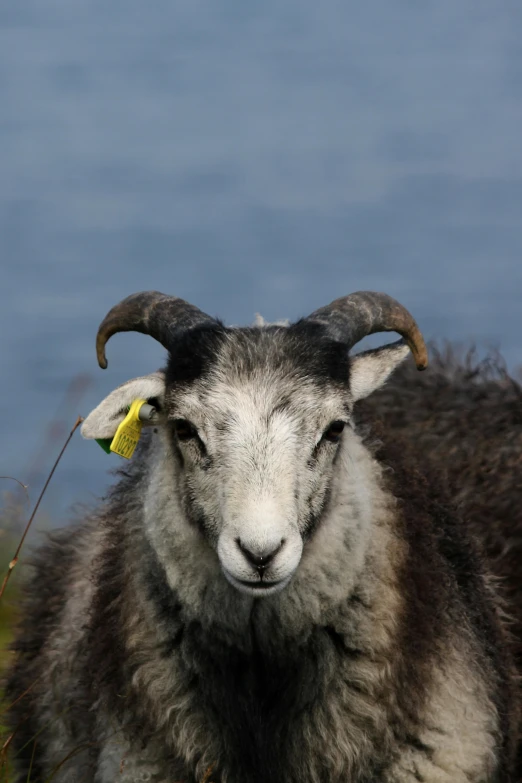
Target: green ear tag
105 443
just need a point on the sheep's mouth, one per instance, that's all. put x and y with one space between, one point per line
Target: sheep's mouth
260 585
257 587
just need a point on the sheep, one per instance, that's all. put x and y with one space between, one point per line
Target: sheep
271 591
465 417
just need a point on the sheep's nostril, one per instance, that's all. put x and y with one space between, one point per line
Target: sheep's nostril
260 557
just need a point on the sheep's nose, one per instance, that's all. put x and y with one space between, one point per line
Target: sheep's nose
260 557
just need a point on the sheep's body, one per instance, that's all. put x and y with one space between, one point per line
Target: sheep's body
386 659
464 420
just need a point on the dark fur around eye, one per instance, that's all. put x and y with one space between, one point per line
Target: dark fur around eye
334 432
184 429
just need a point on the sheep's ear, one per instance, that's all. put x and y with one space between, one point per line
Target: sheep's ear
104 420
371 369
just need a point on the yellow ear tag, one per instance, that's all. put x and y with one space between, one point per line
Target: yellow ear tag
128 433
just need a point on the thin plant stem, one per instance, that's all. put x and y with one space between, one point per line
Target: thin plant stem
24 486
14 561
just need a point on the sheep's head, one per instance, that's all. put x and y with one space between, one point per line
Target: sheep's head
256 419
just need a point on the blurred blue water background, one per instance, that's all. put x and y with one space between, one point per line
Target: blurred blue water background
250 157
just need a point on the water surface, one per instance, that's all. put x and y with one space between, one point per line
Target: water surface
250 158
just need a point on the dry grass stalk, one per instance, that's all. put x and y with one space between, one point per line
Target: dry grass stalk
14 561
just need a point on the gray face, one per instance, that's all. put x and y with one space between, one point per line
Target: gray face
256 437
252 447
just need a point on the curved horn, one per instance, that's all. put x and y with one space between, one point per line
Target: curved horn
149 312
352 317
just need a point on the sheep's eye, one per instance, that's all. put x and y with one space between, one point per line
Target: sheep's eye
334 431
184 429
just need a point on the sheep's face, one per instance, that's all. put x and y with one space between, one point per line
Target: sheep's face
256 437
257 420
